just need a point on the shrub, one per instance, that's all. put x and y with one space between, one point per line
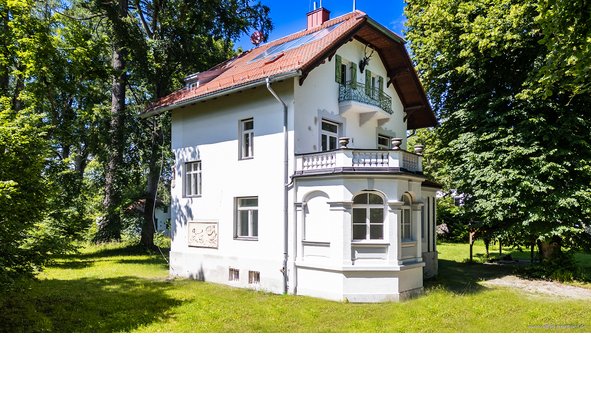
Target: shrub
561 268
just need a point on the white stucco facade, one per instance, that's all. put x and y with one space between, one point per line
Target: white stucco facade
211 238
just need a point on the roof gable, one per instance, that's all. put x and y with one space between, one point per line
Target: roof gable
298 54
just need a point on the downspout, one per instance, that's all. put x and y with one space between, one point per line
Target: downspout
285 184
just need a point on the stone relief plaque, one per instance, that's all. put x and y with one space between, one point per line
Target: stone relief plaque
203 234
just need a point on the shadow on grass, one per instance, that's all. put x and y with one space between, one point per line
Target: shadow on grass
86 305
461 278
70 264
124 250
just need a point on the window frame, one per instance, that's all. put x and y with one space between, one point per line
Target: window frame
368 224
254 277
252 213
189 180
246 149
387 146
233 274
329 135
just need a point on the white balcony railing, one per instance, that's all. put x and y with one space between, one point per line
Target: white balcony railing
359 159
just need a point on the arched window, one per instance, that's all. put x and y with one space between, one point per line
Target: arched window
368 217
406 219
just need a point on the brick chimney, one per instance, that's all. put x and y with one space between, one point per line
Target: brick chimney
317 17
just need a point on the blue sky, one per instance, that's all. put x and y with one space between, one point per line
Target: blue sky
289 16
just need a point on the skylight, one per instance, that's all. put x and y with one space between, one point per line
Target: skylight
295 43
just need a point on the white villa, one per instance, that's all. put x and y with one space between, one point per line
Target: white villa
292 171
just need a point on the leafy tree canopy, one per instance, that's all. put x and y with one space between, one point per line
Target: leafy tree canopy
523 161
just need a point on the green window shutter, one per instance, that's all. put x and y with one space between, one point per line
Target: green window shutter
368 82
353 75
380 84
337 68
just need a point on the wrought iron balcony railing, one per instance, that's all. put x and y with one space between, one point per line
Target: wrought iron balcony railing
355 91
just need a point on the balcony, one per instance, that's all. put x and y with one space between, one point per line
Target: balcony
354 96
358 160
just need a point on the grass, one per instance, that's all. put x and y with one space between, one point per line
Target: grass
119 289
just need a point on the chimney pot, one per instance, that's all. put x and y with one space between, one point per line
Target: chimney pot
317 17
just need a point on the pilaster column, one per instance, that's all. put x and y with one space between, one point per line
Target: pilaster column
417 226
340 244
394 234
300 217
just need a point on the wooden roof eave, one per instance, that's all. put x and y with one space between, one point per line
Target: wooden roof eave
330 50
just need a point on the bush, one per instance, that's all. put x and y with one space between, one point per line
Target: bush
560 269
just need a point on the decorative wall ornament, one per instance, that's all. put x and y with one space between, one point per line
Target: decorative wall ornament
365 61
203 234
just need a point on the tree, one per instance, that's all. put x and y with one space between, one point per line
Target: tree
523 162
109 226
155 44
566 27
174 39
23 193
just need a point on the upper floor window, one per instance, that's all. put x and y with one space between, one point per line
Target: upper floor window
345 72
193 179
368 217
406 219
247 217
383 142
329 135
247 139
374 86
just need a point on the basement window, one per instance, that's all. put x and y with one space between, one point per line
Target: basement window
234 275
254 277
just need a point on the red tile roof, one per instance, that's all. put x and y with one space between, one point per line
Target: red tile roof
243 70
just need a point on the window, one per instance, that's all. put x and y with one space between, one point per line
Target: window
247 217
329 135
247 139
233 275
193 179
368 217
383 142
343 75
406 220
254 277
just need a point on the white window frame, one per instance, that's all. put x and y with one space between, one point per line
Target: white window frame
368 206
246 139
252 213
193 178
406 219
383 146
330 135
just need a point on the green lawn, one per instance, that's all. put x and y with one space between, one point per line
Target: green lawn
118 289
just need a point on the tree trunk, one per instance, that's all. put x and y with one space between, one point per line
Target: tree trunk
531 257
486 246
550 249
500 249
148 229
109 226
472 239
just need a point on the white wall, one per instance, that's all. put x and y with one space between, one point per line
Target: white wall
317 98
208 132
